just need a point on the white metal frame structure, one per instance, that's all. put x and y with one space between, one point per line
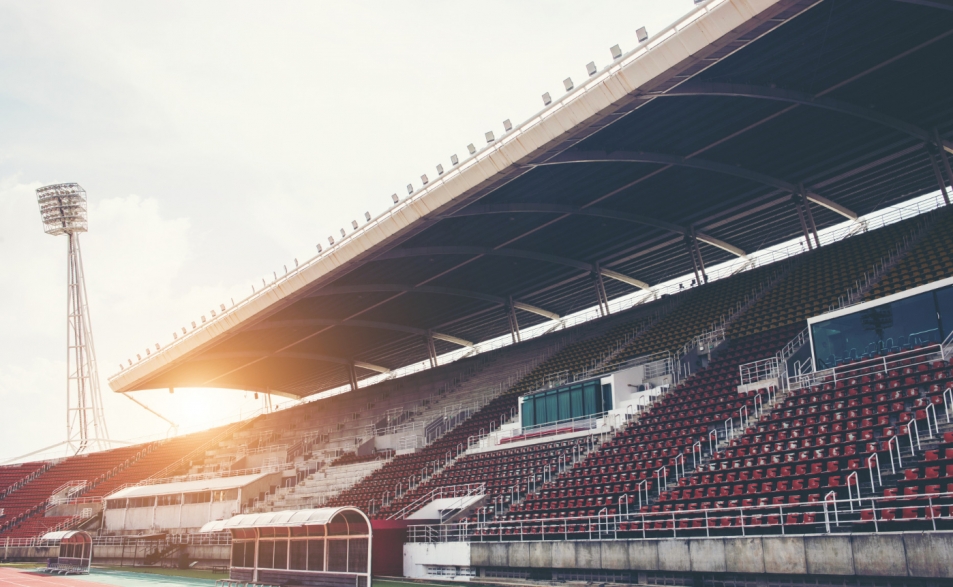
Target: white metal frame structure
63 211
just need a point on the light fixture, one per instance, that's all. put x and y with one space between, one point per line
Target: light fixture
130 362
367 218
507 125
193 324
319 248
394 198
489 136
410 188
157 346
138 357
454 159
213 313
354 224
222 306
175 335
615 51
203 318
183 330
641 34
148 353
343 234
424 179
331 240
591 68
439 169
471 148
567 83
547 99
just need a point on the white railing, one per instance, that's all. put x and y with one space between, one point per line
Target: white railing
885 364
832 515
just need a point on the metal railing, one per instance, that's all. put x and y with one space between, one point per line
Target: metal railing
831 515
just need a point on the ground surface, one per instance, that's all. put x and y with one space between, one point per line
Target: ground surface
26 577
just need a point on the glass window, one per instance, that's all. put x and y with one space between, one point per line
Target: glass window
250 554
337 555
174 499
606 397
266 554
528 412
575 401
357 555
589 400
867 333
541 416
564 412
281 554
238 554
299 555
315 554
199 497
552 408
944 307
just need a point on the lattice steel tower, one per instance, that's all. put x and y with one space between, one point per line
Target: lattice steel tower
63 210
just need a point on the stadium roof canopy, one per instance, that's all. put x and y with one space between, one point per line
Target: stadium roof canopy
707 134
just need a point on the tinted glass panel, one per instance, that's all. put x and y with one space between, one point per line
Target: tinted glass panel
575 400
337 555
299 555
606 397
552 408
315 554
564 412
238 554
281 554
357 555
528 411
266 554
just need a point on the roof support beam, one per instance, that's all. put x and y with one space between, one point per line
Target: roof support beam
430 289
358 324
513 253
804 99
477 210
578 157
291 355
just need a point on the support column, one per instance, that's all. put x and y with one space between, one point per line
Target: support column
808 215
431 349
601 291
939 176
944 158
698 251
800 214
691 255
352 376
514 324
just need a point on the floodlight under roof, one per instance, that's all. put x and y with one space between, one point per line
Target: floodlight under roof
424 179
547 99
343 234
439 169
489 136
410 188
353 224
567 83
641 34
394 198
319 248
331 240
507 125
616 51
591 68
367 216
471 149
454 159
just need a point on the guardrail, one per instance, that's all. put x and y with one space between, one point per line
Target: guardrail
832 515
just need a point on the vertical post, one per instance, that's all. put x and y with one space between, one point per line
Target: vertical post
800 214
691 254
431 349
944 159
698 251
514 324
601 291
939 177
808 215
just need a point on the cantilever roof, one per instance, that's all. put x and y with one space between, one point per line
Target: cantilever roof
289 518
708 130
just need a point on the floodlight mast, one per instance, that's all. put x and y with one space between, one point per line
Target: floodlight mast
63 211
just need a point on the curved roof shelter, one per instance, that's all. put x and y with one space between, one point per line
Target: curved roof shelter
713 133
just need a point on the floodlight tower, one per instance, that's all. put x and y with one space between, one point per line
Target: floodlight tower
63 210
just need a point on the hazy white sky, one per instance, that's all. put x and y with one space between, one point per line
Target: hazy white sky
218 141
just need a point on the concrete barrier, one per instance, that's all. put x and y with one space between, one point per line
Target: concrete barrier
913 554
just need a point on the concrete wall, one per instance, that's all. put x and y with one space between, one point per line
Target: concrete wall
206 555
876 555
420 559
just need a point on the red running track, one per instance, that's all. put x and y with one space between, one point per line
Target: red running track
10 577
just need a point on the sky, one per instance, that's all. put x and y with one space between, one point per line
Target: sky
218 142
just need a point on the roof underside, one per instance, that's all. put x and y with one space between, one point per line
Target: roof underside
839 96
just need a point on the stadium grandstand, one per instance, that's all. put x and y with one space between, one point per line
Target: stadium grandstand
691 324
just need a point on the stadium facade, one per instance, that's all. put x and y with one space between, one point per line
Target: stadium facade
784 421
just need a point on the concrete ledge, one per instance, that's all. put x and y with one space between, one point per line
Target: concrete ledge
872 555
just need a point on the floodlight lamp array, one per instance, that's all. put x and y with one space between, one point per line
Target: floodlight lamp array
62 208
